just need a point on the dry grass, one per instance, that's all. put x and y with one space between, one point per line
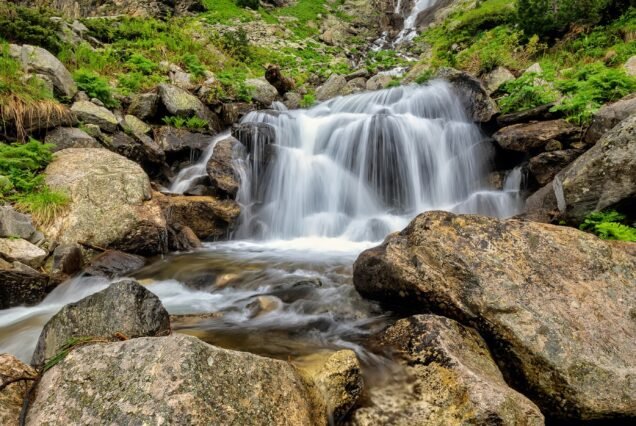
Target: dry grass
21 116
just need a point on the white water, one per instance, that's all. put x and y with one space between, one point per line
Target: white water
409 30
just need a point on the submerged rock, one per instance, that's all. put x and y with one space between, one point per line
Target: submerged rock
125 308
546 297
12 397
450 378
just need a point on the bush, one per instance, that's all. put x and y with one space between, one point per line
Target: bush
138 62
193 65
236 44
608 226
20 163
526 92
25 25
95 87
308 100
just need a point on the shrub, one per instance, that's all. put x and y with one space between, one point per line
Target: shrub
25 25
608 226
308 100
95 87
236 44
493 48
193 123
528 91
138 62
193 65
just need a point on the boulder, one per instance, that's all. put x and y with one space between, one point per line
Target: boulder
379 81
531 137
111 202
67 260
233 112
548 299
181 103
496 78
40 61
144 106
602 177
124 308
19 250
70 137
630 66
12 397
481 108
355 85
331 88
14 224
262 92
449 378
113 263
606 118
89 113
540 113
545 166
21 285
181 144
220 168
141 149
184 381
542 206
134 126
255 136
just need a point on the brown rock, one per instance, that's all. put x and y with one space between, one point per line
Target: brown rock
546 165
22 286
220 168
534 136
12 397
609 116
113 263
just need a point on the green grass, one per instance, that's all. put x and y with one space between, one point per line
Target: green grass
609 225
44 205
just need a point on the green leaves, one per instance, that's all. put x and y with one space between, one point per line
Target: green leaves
607 225
526 92
95 87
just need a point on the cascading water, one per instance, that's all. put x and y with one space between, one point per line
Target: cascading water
410 21
361 166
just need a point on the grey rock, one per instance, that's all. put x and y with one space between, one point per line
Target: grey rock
22 286
609 116
545 166
67 260
379 81
23 251
70 137
331 88
144 106
89 113
496 78
113 263
262 92
15 224
40 61
181 103
220 168
481 108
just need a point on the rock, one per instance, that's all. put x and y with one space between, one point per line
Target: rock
553 145
180 144
135 126
546 297
181 79
124 307
100 8
379 81
88 112
67 260
540 113
184 381
602 177
534 136
12 397
609 116
181 103
262 92
220 168
481 108
111 202
255 136
361 73
207 216
70 137
292 100
40 61
630 66
451 378
14 224
542 206
534 68
281 83
496 78
545 166
144 106
331 88
182 238
233 112
141 149
113 263
37 120
19 250
22 286
355 85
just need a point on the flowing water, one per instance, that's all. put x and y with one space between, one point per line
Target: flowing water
337 179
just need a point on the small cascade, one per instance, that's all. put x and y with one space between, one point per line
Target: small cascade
410 21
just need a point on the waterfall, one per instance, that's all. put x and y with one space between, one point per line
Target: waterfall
361 166
410 21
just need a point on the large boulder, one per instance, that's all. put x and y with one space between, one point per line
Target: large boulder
124 308
532 137
481 108
546 165
546 297
12 397
21 285
40 61
111 202
19 250
609 116
70 137
262 92
602 177
449 378
223 178
173 380
182 103
331 88
89 113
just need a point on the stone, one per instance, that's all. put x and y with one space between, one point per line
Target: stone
22 285
12 397
89 113
14 224
553 145
379 81
144 106
40 61
182 238
496 78
361 73
111 203
113 263
542 206
630 66
19 250
534 68
262 92
135 126
481 108
547 299
292 100
545 166
356 85
181 103
124 307
181 144
449 377
609 116
602 177
184 381
233 112
67 260
540 113
220 168
331 88
70 137
141 149
531 137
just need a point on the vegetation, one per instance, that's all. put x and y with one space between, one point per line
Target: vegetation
193 123
95 87
528 91
23 25
609 225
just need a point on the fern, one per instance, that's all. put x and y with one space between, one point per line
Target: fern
607 225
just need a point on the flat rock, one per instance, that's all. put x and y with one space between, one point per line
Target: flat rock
70 137
89 113
17 249
113 263
529 137
555 303
12 397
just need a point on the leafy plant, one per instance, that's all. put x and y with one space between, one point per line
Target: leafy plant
193 123
33 26
95 87
607 225
193 65
236 44
138 62
528 91
308 100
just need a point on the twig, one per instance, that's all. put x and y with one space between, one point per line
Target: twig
15 379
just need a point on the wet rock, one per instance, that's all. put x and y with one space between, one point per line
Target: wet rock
262 92
264 305
542 205
144 106
113 263
181 144
124 307
602 177
14 224
22 285
181 103
19 250
12 397
255 136
88 112
70 137
141 149
481 108
232 113
67 260
546 297
379 81
606 118
450 378
331 88
534 136
281 83
111 202
496 78
185 379
182 238
545 166
223 178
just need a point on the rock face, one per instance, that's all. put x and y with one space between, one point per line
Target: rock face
534 136
545 166
185 381
40 61
70 137
473 94
124 307
19 250
331 88
609 116
220 169
451 378
111 203
89 113
12 397
602 177
207 216
548 298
